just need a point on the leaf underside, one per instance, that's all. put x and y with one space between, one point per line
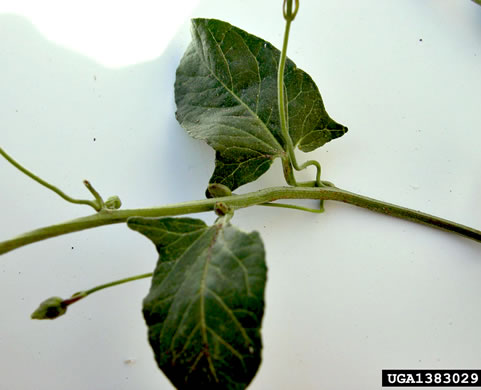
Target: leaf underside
226 95
206 302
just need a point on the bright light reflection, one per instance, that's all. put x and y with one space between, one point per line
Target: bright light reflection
113 33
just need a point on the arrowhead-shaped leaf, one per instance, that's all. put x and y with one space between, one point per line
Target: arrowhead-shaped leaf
226 94
206 302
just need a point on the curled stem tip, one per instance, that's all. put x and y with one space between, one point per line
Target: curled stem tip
289 15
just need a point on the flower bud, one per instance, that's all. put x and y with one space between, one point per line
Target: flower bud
50 309
113 203
217 190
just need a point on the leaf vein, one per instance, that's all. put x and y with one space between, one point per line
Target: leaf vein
186 344
231 315
262 124
227 345
245 272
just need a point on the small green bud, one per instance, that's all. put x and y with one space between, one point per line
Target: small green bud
50 309
113 203
217 190
222 209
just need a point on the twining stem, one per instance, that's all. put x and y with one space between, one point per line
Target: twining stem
106 217
289 16
280 94
287 166
97 204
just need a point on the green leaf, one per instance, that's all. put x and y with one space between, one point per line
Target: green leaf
477 1
226 94
206 302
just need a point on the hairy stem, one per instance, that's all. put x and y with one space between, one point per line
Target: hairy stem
106 217
288 172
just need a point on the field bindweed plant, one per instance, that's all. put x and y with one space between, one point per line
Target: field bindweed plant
252 105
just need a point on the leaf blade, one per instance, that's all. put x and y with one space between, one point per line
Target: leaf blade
226 95
205 306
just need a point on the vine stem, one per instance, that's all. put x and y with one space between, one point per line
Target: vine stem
293 207
107 217
96 204
82 294
289 15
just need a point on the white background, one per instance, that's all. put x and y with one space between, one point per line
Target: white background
86 92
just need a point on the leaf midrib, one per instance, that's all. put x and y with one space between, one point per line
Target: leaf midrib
256 117
203 324
203 289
